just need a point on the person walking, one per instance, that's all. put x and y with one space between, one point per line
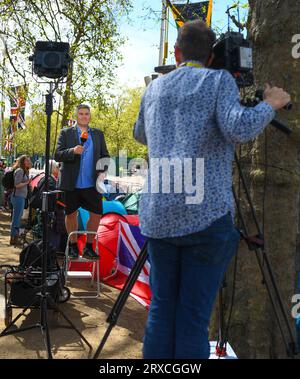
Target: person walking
18 197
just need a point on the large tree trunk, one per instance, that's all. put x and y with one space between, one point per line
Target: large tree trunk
272 26
274 187
67 99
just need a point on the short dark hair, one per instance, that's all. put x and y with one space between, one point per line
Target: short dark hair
82 106
195 41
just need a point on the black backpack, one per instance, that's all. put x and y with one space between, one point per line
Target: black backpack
8 181
25 289
31 256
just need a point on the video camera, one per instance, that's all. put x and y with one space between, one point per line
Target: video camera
233 53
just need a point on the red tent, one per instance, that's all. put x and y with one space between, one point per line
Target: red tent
108 237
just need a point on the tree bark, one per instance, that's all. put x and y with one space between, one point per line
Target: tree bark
272 26
67 99
274 181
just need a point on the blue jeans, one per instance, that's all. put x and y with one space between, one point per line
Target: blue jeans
186 273
18 204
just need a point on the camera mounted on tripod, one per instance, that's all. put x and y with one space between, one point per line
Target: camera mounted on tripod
233 52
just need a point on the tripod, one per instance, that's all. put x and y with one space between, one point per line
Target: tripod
45 298
256 244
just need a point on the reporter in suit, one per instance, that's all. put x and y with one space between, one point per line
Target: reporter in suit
78 174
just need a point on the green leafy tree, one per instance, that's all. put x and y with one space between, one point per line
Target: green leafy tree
90 27
32 140
117 121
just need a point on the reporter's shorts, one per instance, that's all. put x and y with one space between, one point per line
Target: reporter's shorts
87 198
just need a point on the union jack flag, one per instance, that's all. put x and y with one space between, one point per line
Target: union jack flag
8 144
130 244
17 107
71 122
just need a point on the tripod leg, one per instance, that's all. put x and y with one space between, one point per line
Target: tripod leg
123 296
5 332
45 327
103 341
42 325
278 295
289 345
221 348
56 307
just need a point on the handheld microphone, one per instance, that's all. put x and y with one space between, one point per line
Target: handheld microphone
83 138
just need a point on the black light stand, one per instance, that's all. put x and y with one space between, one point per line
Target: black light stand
45 298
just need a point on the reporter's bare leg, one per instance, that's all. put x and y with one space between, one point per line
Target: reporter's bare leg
72 225
92 226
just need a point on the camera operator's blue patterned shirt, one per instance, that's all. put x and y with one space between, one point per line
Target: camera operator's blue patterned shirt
194 113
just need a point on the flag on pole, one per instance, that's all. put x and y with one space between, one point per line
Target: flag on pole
71 122
17 107
130 244
8 142
191 11
8 145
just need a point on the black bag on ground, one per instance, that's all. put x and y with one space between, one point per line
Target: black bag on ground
8 181
26 286
31 256
24 291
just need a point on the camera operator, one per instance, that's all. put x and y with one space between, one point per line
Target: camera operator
193 112
78 176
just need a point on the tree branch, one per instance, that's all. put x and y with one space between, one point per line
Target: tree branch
21 26
13 65
54 18
73 20
42 14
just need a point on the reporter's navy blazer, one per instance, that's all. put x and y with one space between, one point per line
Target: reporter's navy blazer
64 153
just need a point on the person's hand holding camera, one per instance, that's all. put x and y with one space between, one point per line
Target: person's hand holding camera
78 150
276 97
